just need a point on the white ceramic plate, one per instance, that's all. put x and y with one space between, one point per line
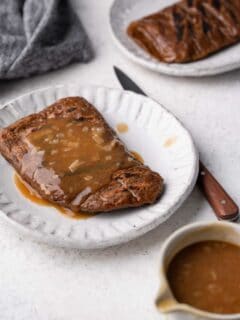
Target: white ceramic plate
124 11
150 126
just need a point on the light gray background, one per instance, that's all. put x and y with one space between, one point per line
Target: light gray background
44 283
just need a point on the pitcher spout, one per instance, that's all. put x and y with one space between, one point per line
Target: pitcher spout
165 301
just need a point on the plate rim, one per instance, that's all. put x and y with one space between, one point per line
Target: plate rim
59 241
163 67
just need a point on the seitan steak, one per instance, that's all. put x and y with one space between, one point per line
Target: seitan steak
188 30
70 156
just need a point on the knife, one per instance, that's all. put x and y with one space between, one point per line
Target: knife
223 205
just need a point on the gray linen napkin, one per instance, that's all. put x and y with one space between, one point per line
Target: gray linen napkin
39 35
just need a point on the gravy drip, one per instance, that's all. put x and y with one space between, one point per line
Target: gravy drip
32 196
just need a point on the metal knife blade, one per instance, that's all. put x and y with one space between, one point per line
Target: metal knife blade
223 205
127 83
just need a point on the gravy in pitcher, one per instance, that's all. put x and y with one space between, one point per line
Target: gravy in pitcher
206 275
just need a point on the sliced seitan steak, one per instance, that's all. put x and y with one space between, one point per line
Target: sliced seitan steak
70 156
188 30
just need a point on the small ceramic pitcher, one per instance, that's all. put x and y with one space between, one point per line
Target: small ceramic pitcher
197 232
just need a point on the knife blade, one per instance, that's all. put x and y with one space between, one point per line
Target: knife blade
223 205
127 83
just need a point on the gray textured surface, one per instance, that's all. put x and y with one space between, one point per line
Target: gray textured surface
39 35
43 283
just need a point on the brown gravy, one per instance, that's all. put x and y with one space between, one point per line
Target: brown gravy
122 127
170 142
137 156
74 158
206 276
29 194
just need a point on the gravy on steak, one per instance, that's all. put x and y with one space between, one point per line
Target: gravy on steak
82 158
206 276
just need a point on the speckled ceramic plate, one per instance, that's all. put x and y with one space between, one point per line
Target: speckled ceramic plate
153 132
124 11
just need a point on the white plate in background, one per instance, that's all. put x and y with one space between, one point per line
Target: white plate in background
123 12
150 127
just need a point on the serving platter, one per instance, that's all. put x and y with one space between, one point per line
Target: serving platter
123 12
165 145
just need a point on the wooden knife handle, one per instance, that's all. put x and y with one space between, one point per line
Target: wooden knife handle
223 205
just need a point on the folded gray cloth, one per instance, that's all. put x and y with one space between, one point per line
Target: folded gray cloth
39 35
